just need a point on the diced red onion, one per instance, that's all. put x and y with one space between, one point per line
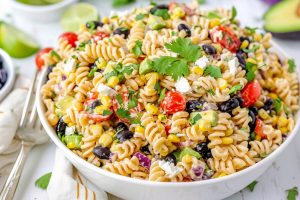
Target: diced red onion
197 172
144 160
210 106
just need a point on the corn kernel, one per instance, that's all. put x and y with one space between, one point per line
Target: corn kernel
99 109
71 76
263 114
282 121
273 95
274 120
222 83
173 138
71 145
78 106
227 140
151 109
105 20
197 70
222 174
187 159
139 129
257 137
106 101
257 37
283 130
71 124
218 47
53 119
204 125
244 44
214 22
161 117
169 24
101 63
229 132
178 12
105 140
251 60
96 130
113 81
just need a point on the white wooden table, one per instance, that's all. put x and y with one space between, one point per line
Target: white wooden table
282 175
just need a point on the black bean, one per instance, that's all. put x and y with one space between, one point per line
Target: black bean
145 149
61 126
254 110
101 152
241 100
121 31
95 104
124 135
121 126
185 28
49 70
171 159
203 149
241 60
229 105
251 123
243 38
194 105
209 49
93 25
161 6
3 77
268 104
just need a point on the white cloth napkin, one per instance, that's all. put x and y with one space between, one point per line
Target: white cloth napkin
64 185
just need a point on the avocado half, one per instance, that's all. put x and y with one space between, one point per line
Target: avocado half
283 19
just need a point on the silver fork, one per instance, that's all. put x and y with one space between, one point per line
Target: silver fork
26 123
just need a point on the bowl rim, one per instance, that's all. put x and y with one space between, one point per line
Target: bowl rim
50 131
32 8
11 74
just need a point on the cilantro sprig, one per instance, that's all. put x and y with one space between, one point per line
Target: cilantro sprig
292 193
233 13
250 68
137 49
43 181
162 13
292 65
277 105
235 88
213 71
252 185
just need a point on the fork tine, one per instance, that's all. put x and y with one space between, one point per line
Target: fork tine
27 101
32 120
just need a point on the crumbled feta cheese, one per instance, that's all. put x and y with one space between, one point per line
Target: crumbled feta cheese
182 85
233 65
70 130
180 135
70 65
202 62
217 35
105 90
170 169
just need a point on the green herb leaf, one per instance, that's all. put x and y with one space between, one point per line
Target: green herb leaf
55 54
233 13
185 48
253 49
106 112
139 16
157 87
92 72
133 101
201 1
213 15
292 193
122 113
43 181
118 3
152 3
250 68
277 105
137 49
162 13
211 92
119 99
252 185
251 30
252 136
235 88
292 65
213 71
135 121
195 119
162 95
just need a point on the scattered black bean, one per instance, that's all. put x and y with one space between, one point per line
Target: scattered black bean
185 28
121 126
203 149
161 6
61 126
243 38
268 104
93 25
170 158
49 70
145 149
252 114
254 110
101 152
209 49
229 105
121 31
194 105
241 60
124 135
95 104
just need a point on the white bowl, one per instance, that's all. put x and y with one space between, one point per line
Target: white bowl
45 13
134 189
11 74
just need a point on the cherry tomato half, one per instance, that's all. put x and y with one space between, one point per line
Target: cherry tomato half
39 61
251 93
70 37
100 35
125 99
228 39
259 129
173 102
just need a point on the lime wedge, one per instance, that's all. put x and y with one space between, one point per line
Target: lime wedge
15 42
52 1
33 2
78 14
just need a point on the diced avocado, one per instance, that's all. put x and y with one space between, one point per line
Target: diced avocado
145 66
59 112
73 141
283 19
155 22
211 116
63 104
186 151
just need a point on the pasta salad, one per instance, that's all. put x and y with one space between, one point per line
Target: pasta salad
169 93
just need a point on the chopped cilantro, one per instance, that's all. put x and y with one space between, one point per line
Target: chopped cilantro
118 3
212 15
195 119
277 105
213 71
252 136
135 121
80 47
119 99
106 112
92 72
55 54
211 92
233 13
292 65
292 193
43 181
251 68
162 95
251 30
137 49
253 49
162 13
252 185
133 101
122 113
173 33
139 16
157 87
235 88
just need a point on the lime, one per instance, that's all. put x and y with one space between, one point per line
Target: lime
78 14
15 42
52 1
